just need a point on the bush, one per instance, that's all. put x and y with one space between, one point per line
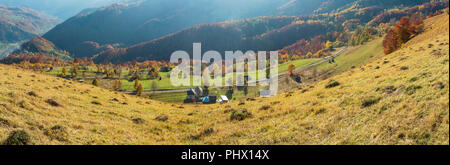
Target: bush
162 118
32 93
95 82
389 89
4 122
57 132
18 138
205 132
320 111
53 103
138 121
412 89
265 107
96 103
413 79
332 83
240 115
367 102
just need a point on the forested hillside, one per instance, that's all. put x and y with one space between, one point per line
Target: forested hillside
131 23
17 23
37 50
290 33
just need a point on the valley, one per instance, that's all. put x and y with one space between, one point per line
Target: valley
412 96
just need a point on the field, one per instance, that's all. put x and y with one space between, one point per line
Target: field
354 57
297 63
350 59
401 98
164 83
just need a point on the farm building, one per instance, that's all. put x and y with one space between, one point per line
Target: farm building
191 95
209 99
223 99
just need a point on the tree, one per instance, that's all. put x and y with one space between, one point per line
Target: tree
95 82
154 85
139 90
74 71
136 83
63 71
291 69
117 71
403 31
329 45
83 74
117 84
136 75
230 93
390 42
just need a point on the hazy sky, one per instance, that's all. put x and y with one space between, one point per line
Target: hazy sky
62 9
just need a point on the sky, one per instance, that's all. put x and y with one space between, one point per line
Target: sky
62 9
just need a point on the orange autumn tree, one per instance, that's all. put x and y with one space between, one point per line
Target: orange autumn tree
291 69
403 31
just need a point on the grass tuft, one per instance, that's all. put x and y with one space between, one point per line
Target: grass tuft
57 132
162 118
53 103
240 115
369 101
332 84
18 138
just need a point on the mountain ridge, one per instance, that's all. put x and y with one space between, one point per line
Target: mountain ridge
126 25
247 34
19 24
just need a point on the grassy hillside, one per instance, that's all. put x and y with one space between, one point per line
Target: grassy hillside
354 57
351 58
400 98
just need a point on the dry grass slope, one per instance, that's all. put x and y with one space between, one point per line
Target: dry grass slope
401 98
